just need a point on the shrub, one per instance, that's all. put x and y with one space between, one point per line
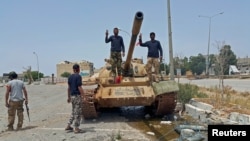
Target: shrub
188 91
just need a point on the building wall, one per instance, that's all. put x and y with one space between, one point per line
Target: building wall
86 68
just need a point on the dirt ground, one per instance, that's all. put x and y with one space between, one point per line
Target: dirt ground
49 113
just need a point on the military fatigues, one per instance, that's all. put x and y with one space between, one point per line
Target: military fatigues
76 113
75 81
13 107
154 49
116 62
117 46
152 62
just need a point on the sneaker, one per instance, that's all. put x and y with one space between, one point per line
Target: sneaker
68 128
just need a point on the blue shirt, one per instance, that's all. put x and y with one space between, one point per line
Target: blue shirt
117 44
74 81
154 47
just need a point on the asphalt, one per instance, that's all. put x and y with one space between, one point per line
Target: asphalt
49 113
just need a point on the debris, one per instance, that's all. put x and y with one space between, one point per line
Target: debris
151 133
166 122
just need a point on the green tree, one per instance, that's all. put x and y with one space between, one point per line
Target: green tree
197 64
182 64
65 74
34 75
186 65
164 67
225 58
212 59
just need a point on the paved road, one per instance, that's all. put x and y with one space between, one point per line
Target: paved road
241 85
49 113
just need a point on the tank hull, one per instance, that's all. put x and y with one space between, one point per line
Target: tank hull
160 97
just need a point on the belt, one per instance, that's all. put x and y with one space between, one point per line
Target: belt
17 100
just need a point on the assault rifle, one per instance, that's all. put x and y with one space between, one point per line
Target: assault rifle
27 108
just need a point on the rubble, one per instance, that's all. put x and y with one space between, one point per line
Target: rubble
207 114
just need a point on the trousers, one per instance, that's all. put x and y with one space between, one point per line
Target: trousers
15 107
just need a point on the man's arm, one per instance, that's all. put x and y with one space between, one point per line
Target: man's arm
123 47
140 42
106 37
161 52
25 95
68 94
82 93
80 87
7 93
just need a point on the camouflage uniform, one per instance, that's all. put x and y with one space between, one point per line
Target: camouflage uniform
13 107
76 113
152 62
116 62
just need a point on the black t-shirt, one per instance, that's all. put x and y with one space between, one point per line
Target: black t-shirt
74 81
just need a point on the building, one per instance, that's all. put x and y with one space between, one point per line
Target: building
5 77
243 65
86 68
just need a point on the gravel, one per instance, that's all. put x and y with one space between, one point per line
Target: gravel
49 113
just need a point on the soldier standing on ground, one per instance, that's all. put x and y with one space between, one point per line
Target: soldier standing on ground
153 57
75 92
117 47
14 100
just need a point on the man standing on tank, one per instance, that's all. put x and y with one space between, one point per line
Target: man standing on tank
14 100
117 51
75 92
154 55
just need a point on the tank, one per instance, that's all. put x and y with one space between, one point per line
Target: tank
133 89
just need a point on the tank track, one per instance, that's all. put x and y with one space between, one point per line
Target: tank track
165 103
89 109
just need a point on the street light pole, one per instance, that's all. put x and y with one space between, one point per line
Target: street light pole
209 31
37 65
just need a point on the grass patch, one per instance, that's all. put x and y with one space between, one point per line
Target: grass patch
236 101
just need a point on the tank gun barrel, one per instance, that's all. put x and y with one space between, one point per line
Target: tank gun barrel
135 31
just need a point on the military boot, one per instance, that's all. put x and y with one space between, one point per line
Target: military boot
19 127
10 128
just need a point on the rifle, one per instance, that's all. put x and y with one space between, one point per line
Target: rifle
27 108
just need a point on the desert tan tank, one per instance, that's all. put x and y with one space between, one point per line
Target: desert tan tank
134 89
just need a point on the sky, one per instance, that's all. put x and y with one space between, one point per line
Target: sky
43 33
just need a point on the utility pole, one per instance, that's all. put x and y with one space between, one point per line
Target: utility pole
170 44
37 66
